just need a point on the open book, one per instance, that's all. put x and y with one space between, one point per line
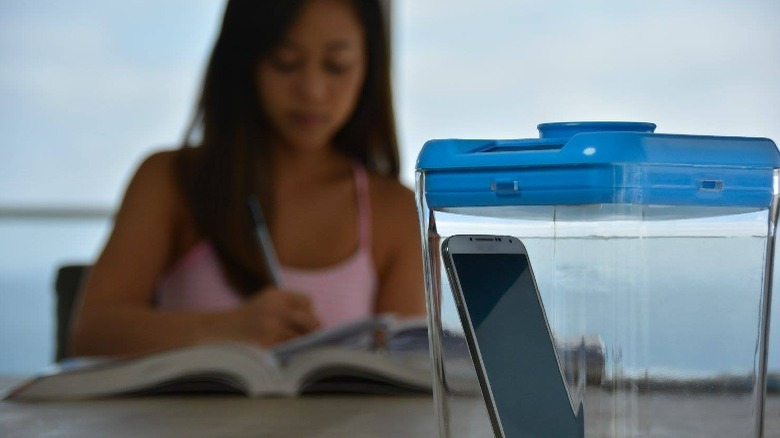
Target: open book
380 355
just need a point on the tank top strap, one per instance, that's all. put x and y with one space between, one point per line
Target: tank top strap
363 204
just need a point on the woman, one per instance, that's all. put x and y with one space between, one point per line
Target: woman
295 111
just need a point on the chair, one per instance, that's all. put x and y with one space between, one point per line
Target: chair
67 287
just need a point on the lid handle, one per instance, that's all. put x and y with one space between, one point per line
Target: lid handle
565 130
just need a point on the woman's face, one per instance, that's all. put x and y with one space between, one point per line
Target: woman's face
309 85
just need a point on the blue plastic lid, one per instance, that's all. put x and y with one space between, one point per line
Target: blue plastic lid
600 162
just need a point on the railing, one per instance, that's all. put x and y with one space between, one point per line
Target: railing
35 240
44 212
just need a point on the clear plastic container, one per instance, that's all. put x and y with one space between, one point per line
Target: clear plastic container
653 257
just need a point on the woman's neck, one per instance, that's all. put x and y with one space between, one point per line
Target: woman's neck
297 166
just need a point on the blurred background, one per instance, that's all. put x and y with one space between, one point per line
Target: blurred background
88 88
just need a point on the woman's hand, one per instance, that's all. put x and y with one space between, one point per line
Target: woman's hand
273 316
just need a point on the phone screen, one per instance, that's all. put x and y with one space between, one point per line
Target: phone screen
500 302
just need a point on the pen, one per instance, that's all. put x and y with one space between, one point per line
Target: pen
264 241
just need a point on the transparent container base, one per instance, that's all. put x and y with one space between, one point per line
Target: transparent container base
657 314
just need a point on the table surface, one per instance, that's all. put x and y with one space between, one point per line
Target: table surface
222 415
310 416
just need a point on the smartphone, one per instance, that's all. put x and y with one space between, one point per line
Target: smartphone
509 338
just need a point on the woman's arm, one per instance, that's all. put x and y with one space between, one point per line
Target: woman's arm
116 314
397 249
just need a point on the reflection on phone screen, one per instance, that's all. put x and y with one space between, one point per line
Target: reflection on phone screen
515 346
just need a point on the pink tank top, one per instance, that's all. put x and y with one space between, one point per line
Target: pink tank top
341 293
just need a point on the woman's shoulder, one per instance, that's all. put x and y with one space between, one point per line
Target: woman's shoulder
393 207
390 195
156 178
156 191
160 171
396 229
160 163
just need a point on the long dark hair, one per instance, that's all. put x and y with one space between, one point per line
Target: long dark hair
225 157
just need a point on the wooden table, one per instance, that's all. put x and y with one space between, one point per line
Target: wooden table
310 416
221 416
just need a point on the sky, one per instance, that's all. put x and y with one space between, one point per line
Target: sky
88 88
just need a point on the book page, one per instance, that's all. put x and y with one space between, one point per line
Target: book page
239 367
406 335
358 334
349 370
